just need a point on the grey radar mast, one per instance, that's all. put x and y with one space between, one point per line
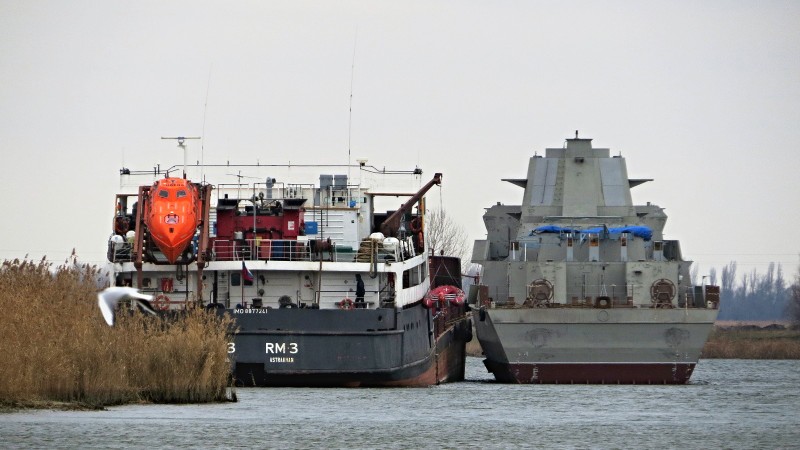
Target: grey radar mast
182 144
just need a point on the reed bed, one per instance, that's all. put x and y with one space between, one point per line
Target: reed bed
753 343
57 348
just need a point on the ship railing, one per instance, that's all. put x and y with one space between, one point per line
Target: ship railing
622 296
261 249
326 299
287 250
120 253
602 295
305 250
346 299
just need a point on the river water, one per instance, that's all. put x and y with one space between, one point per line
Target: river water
727 404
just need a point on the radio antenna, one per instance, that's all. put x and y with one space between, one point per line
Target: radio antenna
350 116
203 132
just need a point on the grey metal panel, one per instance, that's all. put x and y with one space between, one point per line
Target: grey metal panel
614 186
325 181
590 335
602 342
544 181
340 181
480 250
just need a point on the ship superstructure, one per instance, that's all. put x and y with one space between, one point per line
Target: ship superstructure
579 285
326 289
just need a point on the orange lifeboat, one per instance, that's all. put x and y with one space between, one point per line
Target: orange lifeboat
173 215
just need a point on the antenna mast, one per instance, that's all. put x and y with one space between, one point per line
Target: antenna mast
350 116
182 146
203 133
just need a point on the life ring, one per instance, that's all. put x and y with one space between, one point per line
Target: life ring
416 225
346 303
161 302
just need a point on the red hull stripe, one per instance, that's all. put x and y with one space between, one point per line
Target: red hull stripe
628 373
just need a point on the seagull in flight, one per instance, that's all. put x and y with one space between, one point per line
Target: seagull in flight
109 297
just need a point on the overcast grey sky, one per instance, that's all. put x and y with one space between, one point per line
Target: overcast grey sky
703 96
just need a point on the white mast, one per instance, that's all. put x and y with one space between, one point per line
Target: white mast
182 145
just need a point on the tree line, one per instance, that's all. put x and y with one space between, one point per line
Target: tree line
754 296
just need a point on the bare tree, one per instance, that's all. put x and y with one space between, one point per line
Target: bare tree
447 237
794 300
728 278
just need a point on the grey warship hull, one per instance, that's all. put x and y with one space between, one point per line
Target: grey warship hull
607 346
579 284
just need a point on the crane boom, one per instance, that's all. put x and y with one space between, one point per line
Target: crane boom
391 225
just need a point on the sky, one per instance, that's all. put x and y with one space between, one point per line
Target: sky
703 97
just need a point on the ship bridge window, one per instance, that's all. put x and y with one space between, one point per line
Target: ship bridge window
163 194
414 276
181 193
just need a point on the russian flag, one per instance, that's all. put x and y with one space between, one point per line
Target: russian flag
246 274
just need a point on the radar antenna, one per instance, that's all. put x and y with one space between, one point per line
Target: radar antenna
181 143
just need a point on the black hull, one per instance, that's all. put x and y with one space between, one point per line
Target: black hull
320 348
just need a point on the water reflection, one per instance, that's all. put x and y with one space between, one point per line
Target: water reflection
729 403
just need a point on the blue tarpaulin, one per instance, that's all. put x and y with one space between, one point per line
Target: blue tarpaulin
637 230
552 229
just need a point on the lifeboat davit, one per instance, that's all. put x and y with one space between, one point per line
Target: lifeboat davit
173 215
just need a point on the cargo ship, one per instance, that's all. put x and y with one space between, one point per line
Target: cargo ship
579 285
326 288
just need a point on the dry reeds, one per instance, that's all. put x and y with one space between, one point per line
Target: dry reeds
750 343
56 347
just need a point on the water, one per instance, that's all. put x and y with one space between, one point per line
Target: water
728 404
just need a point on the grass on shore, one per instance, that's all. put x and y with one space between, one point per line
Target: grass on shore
752 343
57 348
